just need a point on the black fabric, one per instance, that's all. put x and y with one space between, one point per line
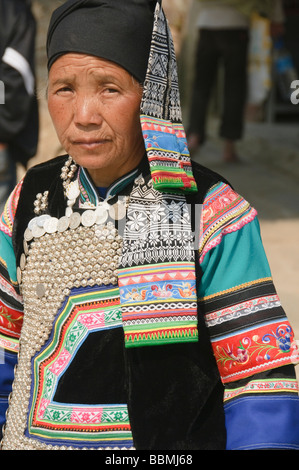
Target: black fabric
284 372
261 289
175 396
105 26
96 374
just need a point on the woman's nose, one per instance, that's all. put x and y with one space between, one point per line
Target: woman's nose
87 111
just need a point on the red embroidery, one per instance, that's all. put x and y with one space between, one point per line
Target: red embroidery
10 321
254 351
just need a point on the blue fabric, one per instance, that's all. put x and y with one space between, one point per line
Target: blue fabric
102 192
6 379
7 373
263 423
3 408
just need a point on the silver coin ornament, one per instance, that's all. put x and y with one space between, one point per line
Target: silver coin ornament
92 216
51 225
75 220
63 224
88 218
76 250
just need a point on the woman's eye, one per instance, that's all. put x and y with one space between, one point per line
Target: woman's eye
111 91
64 89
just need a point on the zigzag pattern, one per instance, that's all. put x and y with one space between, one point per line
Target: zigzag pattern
157 336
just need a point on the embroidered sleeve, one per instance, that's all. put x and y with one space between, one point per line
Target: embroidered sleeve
252 339
11 308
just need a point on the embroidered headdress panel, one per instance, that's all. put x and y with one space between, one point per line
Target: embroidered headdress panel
161 118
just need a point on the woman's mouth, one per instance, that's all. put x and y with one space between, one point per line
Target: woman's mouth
90 144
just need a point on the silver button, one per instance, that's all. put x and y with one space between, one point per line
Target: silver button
51 225
40 290
75 220
88 218
63 224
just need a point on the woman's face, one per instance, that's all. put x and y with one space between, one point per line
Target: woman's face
95 108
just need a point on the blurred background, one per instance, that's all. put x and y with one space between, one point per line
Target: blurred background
267 170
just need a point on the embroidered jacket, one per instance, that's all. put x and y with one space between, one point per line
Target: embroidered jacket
225 381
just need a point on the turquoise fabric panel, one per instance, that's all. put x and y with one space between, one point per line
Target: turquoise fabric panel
7 254
239 258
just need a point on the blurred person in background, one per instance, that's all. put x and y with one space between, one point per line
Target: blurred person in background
223 28
19 111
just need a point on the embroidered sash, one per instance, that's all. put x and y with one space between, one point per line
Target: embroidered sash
157 269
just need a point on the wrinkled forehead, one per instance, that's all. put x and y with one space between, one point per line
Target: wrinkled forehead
84 69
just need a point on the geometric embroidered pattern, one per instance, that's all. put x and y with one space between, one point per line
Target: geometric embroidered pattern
156 273
8 214
245 308
84 313
159 304
263 386
224 212
163 132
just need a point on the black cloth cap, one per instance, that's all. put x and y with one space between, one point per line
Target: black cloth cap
116 30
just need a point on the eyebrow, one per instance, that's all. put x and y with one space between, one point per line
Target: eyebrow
60 81
101 78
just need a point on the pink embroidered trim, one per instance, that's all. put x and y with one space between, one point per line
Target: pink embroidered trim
9 212
263 386
234 227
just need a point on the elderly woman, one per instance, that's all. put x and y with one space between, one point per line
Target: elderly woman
134 285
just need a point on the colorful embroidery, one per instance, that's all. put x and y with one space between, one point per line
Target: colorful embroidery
9 344
249 330
9 289
255 350
263 386
157 270
10 320
9 212
244 308
161 118
165 145
83 314
224 211
158 303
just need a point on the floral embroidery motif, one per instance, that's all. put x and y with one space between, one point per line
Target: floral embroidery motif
10 320
244 354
